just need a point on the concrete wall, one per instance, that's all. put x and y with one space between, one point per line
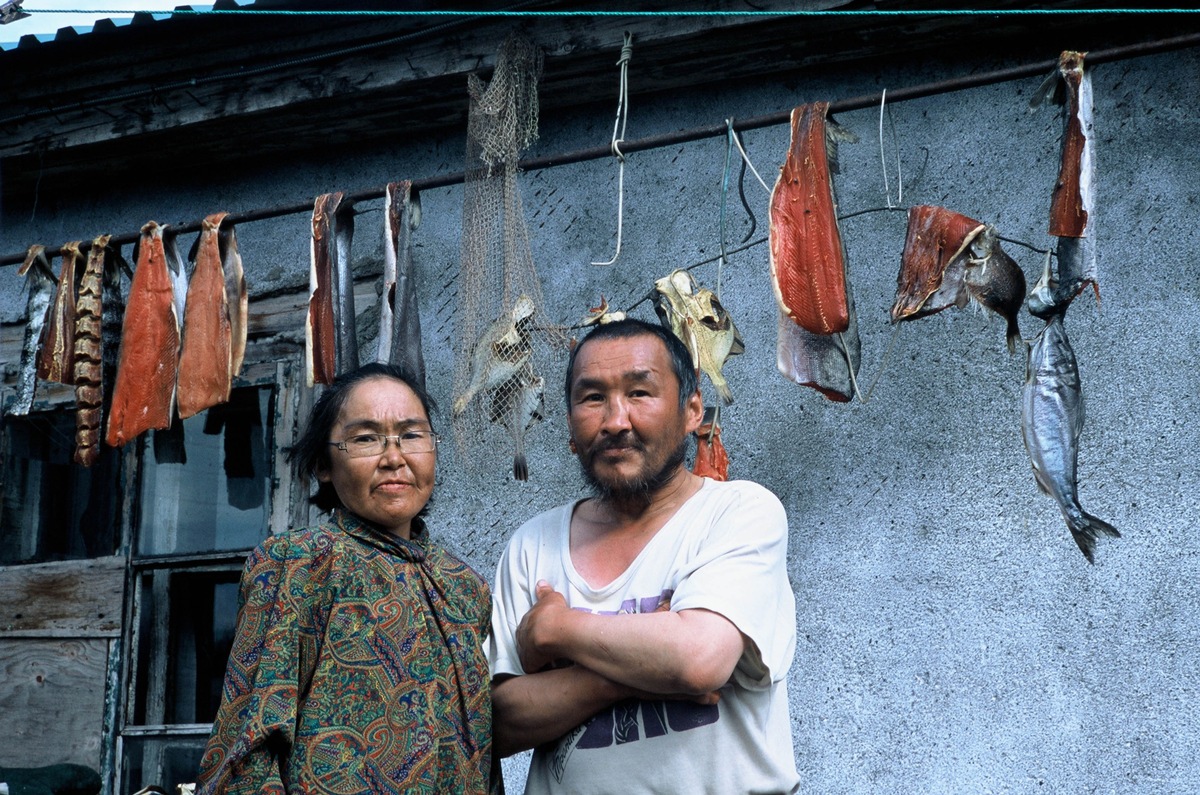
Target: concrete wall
951 637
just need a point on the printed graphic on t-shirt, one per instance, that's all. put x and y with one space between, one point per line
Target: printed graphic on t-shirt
633 719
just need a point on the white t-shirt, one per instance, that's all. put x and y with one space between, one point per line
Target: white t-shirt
724 550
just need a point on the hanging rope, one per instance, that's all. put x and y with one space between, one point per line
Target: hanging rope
618 137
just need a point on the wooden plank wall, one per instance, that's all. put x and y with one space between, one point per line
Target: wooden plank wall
57 621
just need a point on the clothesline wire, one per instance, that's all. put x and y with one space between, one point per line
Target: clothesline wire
1033 69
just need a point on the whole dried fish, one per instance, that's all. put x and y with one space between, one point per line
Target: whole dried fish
236 295
826 362
700 321
144 392
995 281
39 280
1052 413
808 263
320 339
711 459
503 351
399 317
518 404
89 380
206 352
56 359
344 318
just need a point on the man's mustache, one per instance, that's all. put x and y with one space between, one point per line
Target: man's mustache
623 439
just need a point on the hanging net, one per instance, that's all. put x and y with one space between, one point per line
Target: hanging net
502 342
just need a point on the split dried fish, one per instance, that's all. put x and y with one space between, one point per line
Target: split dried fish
112 317
711 459
1052 413
399 317
56 359
89 373
39 281
699 320
518 404
206 352
144 391
345 320
320 339
503 351
236 295
808 262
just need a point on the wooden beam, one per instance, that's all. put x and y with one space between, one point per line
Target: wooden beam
80 598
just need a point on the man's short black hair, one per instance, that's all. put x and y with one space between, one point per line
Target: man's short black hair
681 360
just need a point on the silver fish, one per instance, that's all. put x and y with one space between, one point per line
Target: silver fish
518 404
399 318
176 270
39 279
1052 413
501 353
346 326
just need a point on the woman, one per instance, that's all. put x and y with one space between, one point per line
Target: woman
357 665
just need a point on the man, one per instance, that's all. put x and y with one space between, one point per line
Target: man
642 638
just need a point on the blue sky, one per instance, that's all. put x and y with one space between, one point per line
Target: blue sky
46 16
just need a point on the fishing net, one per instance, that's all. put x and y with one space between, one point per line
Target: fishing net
499 345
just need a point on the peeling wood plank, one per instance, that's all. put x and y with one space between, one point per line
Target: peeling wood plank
52 700
80 597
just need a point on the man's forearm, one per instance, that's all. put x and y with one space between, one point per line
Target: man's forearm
537 708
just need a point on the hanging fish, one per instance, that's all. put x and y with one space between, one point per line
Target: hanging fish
696 316
711 459
808 262
826 362
39 280
56 359
600 315
112 316
144 391
518 404
206 354
89 380
236 295
176 271
505 349
1052 413
996 282
949 259
320 340
344 318
399 317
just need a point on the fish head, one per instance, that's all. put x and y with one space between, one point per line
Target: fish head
1043 297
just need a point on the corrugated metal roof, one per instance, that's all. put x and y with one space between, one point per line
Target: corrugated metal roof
108 26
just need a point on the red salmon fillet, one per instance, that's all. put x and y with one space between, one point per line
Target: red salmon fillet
205 359
1068 218
935 237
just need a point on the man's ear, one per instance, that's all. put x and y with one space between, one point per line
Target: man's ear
694 411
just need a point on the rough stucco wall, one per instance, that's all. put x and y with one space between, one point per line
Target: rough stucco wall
951 637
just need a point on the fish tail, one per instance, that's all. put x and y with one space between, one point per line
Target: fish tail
520 466
1014 333
723 391
1085 529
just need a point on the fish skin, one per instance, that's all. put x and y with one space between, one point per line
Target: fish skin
144 390
1052 416
56 359
518 404
40 283
696 316
206 351
1070 200
504 349
89 376
112 317
320 346
931 276
996 282
237 296
344 318
711 459
819 360
399 317
808 265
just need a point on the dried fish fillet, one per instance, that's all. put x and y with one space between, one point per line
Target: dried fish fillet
56 359
39 280
320 347
808 265
144 392
399 318
236 295
711 459
932 268
89 380
206 356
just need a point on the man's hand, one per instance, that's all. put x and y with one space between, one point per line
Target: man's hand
538 628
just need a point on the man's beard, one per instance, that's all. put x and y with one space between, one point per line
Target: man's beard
639 488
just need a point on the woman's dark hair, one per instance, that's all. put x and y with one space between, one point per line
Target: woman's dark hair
681 360
311 452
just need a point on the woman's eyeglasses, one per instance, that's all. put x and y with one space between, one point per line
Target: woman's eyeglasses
365 445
